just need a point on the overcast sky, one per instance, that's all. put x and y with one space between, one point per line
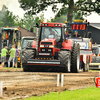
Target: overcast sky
13 6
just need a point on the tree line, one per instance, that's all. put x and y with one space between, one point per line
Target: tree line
69 7
69 11
7 18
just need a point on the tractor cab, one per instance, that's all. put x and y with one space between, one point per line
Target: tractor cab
51 38
27 41
52 50
11 36
52 32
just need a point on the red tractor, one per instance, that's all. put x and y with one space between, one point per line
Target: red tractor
52 50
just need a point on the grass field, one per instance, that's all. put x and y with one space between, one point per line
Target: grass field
11 68
90 93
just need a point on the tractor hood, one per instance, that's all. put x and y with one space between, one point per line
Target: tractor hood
48 41
48 47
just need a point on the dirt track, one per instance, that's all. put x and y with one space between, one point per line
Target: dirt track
18 84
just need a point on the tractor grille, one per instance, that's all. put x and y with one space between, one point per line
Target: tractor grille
46 50
46 43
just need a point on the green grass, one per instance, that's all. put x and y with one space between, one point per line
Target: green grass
95 70
90 93
10 68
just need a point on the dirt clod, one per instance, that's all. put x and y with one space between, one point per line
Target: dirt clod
18 84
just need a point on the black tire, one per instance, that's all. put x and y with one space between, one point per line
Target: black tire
28 54
26 69
93 59
75 58
86 67
65 60
97 59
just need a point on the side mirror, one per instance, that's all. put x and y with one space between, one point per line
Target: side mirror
89 35
31 30
37 25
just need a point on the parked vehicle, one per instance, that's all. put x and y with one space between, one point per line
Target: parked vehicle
95 62
26 43
53 50
10 36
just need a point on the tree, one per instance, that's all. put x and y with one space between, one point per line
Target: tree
28 21
60 19
7 18
68 6
1 23
87 6
63 18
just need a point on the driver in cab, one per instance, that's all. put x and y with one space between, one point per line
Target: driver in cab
76 34
52 33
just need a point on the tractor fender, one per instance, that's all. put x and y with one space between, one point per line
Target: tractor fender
34 44
67 45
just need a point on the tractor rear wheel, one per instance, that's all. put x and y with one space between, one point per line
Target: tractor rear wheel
75 58
27 54
93 59
86 67
65 60
97 59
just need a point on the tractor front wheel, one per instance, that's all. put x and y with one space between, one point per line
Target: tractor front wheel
65 60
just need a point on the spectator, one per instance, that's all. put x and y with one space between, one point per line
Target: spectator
16 55
66 34
76 34
4 51
12 56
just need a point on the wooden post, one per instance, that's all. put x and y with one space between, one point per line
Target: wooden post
1 89
60 83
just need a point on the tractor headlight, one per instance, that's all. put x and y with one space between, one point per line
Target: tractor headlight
43 49
41 45
49 50
51 46
55 24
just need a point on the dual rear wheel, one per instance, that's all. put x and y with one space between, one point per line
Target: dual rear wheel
70 60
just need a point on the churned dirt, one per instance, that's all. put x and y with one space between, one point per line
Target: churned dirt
18 84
